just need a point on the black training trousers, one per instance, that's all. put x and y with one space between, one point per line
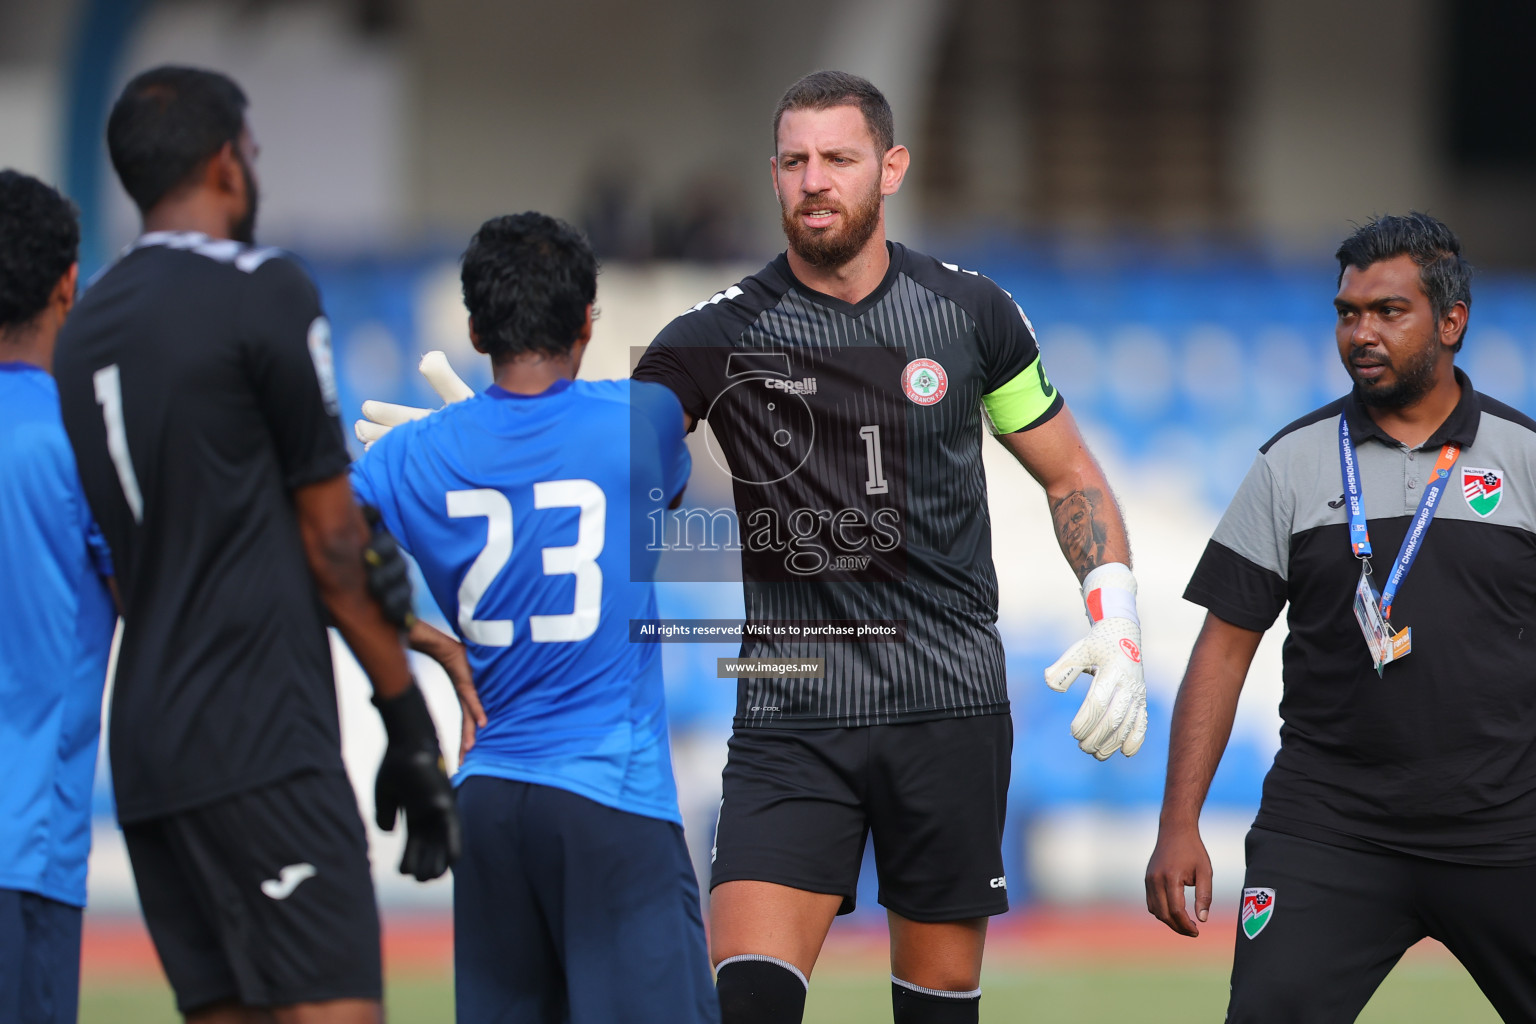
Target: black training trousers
1322 925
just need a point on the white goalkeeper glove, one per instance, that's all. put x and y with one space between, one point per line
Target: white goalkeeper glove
379 417
1114 712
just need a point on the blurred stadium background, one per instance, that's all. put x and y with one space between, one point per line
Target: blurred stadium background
1160 183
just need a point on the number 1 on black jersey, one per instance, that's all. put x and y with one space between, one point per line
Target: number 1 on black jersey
109 395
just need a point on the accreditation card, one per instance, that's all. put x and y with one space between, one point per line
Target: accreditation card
1384 645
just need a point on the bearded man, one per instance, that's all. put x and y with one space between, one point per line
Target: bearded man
1402 800
845 384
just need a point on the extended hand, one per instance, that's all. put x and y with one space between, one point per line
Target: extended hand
1179 860
379 417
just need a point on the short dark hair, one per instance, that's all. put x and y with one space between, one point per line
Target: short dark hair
168 123
823 90
39 242
528 280
1443 274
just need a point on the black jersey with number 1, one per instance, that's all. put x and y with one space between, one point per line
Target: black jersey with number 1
197 388
853 436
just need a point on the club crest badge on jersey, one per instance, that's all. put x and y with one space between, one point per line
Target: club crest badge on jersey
1258 908
924 381
1484 489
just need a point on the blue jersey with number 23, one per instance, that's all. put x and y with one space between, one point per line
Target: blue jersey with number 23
524 512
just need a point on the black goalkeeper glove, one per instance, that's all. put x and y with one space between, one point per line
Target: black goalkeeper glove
389 578
412 778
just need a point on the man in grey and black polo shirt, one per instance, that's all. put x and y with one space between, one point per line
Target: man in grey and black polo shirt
1399 524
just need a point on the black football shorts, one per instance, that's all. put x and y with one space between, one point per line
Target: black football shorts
797 805
264 898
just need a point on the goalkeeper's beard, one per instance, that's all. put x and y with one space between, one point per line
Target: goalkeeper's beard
832 247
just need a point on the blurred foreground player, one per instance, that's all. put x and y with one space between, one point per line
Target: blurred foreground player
1399 524
196 382
58 621
575 899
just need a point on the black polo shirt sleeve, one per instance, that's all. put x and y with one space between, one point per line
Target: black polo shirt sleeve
286 342
1241 578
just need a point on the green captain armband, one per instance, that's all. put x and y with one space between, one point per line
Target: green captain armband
1022 401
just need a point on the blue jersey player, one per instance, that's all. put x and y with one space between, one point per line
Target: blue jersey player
58 619
574 899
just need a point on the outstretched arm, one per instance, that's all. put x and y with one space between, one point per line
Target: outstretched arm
1202 723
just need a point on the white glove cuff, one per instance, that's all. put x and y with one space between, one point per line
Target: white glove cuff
1109 592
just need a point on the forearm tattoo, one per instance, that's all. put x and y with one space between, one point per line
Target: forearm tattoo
1080 529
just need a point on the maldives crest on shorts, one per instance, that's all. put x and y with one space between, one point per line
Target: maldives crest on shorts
1484 489
924 381
1258 908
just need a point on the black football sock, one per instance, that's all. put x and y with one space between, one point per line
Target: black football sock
913 1004
757 989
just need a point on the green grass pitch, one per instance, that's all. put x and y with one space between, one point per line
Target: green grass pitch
1431 993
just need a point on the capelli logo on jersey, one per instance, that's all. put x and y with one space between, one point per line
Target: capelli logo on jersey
805 386
1000 882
